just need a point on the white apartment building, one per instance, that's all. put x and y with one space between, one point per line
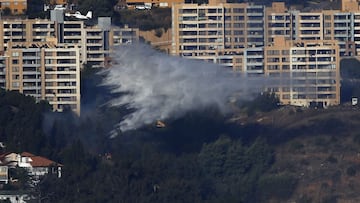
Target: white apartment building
216 29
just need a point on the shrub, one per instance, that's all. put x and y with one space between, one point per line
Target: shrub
296 145
356 138
279 186
331 159
351 171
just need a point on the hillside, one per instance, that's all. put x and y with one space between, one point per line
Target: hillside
268 154
319 148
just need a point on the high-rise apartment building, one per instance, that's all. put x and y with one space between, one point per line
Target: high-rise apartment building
247 37
216 29
340 25
307 71
32 30
95 41
46 71
307 25
43 58
278 22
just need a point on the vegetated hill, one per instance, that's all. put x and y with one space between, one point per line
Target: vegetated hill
319 148
276 154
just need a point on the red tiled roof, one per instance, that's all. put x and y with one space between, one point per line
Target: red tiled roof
27 154
38 161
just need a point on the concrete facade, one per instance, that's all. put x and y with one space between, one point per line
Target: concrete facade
45 71
303 47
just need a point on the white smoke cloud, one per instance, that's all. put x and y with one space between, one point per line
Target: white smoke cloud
160 86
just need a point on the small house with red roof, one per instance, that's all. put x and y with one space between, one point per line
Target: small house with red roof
39 166
36 166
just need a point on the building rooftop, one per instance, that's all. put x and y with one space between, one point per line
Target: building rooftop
38 161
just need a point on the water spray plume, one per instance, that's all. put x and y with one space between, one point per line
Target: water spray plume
158 86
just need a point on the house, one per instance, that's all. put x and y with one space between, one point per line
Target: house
38 166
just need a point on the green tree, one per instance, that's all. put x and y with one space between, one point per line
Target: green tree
263 102
279 186
235 168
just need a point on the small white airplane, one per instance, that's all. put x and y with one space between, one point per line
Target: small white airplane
79 16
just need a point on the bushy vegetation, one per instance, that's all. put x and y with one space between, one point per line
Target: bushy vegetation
21 122
279 186
98 7
263 102
155 18
197 158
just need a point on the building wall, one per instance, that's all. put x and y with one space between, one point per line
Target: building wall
46 72
4 174
206 31
246 37
34 62
62 77
308 71
162 43
278 22
339 25
197 30
31 30
91 39
2 71
349 5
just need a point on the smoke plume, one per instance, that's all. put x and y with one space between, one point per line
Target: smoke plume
158 86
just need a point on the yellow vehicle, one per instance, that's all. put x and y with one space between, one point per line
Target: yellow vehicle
160 124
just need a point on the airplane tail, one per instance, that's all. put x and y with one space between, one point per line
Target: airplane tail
89 14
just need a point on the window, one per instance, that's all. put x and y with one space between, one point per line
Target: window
273 52
15 69
238 10
285 52
15 77
15 84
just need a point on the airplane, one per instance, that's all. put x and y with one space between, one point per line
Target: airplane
79 16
